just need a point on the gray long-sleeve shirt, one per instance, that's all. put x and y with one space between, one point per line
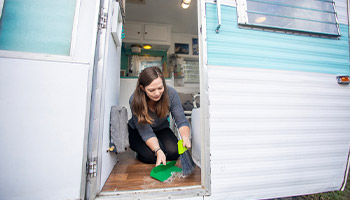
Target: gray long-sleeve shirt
147 130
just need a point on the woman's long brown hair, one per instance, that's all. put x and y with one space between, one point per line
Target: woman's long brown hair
139 103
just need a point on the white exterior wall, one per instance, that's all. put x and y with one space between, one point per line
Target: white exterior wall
43 109
283 132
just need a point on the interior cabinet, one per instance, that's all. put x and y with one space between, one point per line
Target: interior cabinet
133 31
155 32
137 32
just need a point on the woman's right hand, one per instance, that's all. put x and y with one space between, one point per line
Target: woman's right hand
161 158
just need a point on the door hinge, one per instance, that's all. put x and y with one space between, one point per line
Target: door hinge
102 24
91 167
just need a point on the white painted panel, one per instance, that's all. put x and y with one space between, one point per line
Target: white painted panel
42 125
276 133
84 40
342 11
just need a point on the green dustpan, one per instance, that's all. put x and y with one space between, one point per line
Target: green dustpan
163 172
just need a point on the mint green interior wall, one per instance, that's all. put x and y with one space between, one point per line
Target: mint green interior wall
127 52
238 47
40 26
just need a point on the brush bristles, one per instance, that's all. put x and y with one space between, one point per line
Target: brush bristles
187 163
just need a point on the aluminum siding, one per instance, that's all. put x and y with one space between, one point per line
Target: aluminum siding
342 11
279 122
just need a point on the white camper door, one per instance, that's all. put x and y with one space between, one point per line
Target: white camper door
105 94
44 105
96 116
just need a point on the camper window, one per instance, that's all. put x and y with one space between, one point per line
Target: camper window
300 16
37 26
191 71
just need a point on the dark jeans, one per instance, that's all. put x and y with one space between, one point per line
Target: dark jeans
167 142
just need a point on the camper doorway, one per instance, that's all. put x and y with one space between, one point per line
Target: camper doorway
172 33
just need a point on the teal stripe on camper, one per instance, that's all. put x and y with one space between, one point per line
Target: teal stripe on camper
239 47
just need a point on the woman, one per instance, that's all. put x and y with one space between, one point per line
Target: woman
149 133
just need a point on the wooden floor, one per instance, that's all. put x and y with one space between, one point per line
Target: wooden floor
131 174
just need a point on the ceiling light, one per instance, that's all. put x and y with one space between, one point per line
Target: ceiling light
185 4
136 48
147 46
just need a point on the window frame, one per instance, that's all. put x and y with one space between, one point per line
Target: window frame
242 12
1 7
187 71
46 56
